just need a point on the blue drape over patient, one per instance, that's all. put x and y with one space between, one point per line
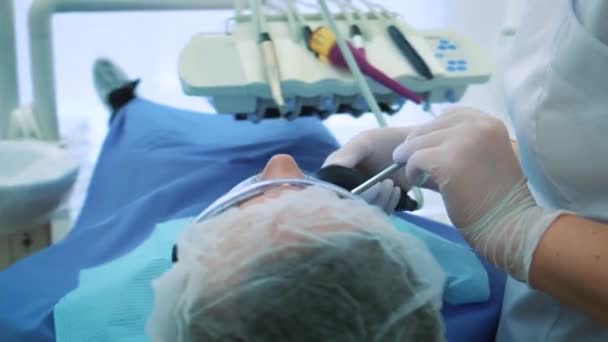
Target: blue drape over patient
158 164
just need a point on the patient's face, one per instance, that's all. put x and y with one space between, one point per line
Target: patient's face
240 236
282 166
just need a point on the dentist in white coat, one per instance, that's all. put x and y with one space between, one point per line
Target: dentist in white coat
537 207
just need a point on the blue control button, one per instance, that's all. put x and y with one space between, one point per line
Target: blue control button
452 68
451 47
462 62
444 41
327 103
451 62
442 47
450 96
439 55
462 68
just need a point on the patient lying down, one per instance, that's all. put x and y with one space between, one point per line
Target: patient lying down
298 264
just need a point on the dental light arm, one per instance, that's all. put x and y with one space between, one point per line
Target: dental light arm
9 86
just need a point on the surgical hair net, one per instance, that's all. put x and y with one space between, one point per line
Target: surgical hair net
305 266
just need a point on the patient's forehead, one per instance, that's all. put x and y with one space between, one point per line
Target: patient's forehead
291 224
270 194
268 226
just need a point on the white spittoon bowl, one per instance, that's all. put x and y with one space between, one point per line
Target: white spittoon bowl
35 177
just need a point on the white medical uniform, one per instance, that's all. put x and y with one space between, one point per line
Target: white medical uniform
557 93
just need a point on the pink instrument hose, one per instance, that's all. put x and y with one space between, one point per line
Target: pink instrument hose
336 58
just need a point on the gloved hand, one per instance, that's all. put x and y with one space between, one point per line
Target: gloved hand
369 153
468 157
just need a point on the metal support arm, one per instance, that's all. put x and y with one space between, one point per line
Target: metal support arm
9 86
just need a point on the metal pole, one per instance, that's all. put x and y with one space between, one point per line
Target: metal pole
9 86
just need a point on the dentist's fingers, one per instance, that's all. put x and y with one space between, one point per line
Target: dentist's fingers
424 168
385 195
370 195
443 122
394 200
431 139
350 155
379 194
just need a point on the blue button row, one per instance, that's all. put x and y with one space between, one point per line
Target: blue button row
447 47
457 68
445 44
457 62
450 96
453 69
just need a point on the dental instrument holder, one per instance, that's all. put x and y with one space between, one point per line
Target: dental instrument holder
272 70
229 69
350 179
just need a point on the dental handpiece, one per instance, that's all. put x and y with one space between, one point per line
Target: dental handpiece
382 175
271 67
409 52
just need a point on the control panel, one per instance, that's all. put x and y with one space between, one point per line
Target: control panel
228 69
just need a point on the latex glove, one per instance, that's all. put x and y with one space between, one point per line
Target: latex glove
384 195
468 157
370 152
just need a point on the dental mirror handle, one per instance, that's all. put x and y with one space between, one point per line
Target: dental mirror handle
382 175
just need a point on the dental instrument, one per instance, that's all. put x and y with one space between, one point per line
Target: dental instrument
406 203
362 19
400 40
410 54
292 25
305 29
350 179
323 41
382 175
228 67
354 32
269 57
356 36
352 63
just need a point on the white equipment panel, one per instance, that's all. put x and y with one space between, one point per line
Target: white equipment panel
228 69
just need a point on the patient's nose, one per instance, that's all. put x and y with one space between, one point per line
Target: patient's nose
281 166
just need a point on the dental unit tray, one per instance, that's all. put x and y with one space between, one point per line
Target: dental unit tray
228 69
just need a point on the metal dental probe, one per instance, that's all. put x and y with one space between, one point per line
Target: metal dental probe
382 175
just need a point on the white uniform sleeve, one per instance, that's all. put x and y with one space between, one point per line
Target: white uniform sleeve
593 15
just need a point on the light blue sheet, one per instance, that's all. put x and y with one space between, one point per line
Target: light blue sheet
466 278
113 301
